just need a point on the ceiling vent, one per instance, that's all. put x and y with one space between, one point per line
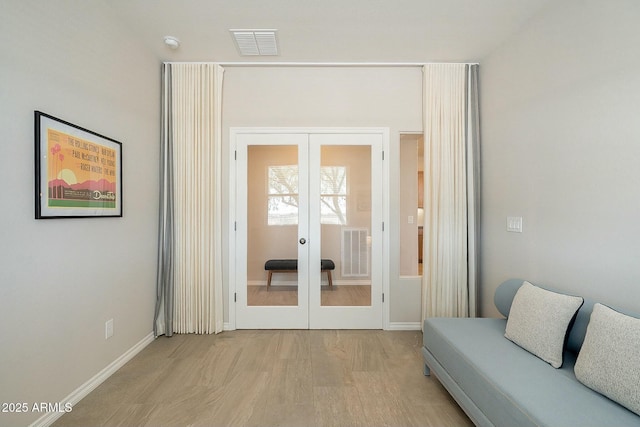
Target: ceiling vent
256 42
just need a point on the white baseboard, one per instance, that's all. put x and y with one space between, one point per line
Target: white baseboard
347 282
78 394
405 326
256 283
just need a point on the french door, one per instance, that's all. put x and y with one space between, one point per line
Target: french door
308 230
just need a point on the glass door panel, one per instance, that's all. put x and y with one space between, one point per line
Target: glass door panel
271 265
345 216
272 218
345 224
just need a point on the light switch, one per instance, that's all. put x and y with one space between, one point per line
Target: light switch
514 224
410 219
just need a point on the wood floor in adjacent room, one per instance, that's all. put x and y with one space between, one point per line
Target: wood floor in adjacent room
349 295
273 378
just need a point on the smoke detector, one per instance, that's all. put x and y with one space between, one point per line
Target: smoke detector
172 42
256 42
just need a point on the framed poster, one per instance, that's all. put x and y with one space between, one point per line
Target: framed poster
78 172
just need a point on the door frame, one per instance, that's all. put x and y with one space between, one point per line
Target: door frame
233 134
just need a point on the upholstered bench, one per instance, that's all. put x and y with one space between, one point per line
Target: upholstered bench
291 265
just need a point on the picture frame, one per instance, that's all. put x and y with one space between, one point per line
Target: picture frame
78 172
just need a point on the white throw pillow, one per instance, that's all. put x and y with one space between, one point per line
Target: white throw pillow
609 360
539 319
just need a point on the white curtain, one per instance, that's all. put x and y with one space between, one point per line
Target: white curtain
451 190
189 291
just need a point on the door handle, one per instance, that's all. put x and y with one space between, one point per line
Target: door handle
303 240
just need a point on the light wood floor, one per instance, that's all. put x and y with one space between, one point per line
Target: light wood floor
345 295
273 378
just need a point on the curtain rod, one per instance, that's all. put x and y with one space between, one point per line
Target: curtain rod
317 64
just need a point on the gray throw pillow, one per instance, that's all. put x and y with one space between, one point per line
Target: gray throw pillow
609 360
539 319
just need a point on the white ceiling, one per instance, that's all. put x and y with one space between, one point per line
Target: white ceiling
330 30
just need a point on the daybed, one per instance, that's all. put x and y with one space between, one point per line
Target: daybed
499 383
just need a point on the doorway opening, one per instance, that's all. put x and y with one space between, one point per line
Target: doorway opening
411 203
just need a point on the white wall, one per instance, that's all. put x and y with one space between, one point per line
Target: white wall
560 147
61 279
329 97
